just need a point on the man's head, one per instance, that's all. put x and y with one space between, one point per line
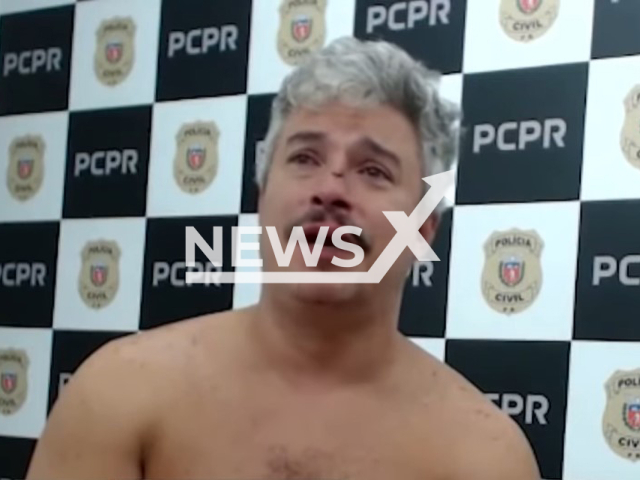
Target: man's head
353 131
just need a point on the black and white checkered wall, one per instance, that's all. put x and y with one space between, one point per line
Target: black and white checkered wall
123 121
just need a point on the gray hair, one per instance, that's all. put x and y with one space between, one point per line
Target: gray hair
364 73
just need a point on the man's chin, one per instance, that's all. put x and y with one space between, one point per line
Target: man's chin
327 260
325 293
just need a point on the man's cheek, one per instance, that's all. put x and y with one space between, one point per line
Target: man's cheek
379 238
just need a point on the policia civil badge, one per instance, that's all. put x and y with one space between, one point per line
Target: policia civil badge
512 274
528 20
115 50
621 418
195 164
14 366
302 29
99 278
25 171
630 134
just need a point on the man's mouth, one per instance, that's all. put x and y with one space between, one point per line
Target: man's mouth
312 231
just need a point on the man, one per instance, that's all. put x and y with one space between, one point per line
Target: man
315 381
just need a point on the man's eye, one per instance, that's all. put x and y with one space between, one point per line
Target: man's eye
302 159
376 173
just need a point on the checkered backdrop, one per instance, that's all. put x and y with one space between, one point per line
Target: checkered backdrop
123 121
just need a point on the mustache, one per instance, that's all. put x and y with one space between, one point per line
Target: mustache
336 216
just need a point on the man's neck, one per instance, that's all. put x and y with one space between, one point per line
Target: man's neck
326 345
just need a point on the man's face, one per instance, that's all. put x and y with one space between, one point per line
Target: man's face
337 166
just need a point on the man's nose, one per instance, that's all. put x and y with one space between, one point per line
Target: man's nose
331 191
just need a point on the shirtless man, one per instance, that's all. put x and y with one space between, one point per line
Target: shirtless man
314 381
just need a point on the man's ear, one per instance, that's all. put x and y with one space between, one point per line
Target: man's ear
259 195
259 202
429 228
260 191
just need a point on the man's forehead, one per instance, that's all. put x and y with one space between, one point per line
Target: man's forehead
379 121
368 127
300 135
343 112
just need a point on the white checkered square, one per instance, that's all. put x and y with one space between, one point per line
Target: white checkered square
32 160
99 79
100 264
549 295
267 63
588 453
611 161
175 187
26 418
562 33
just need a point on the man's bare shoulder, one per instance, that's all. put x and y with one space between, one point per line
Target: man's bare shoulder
493 446
109 410
172 346
483 441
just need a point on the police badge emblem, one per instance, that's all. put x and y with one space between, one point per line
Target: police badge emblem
621 418
115 50
26 167
302 29
14 365
99 277
512 273
528 20
630 133
195 164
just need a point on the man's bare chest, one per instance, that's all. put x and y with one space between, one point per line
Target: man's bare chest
282 461
254 441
